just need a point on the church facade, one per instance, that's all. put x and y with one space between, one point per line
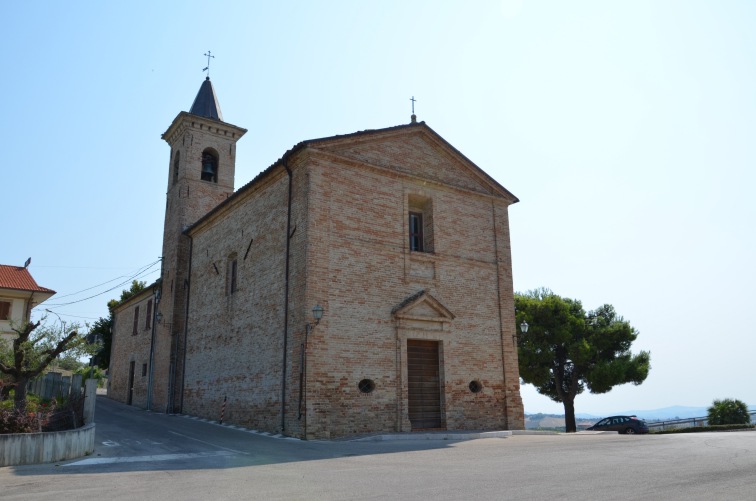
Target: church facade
362 283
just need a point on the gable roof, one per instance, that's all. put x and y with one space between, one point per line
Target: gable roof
19 278
340 137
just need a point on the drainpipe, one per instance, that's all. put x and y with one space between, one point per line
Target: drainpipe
112 342
157 294
29 308
186 323
286 299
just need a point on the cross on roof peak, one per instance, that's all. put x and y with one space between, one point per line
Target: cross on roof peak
207 68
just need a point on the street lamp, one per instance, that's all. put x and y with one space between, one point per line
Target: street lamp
62 322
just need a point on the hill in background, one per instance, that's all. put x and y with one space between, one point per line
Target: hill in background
556 421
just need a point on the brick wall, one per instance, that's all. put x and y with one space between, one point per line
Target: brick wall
363 267
234 344
349 253
130 345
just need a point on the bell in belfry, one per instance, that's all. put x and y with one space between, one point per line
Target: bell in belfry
209 168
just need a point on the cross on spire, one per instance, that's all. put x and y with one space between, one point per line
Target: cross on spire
207 68
413 118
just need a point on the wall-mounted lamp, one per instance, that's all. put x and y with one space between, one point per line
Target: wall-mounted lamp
317 313
523 327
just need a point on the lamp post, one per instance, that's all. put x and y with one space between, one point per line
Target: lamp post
63 329
62 322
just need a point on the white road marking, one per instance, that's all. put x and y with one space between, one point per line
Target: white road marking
157 457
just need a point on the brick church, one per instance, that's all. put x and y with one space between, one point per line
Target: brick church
361 283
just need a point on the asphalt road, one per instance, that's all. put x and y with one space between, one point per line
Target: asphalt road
141 455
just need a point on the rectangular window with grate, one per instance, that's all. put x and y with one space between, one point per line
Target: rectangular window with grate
420 223
416 231
135 330
231 274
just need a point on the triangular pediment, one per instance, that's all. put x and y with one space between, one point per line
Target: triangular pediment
417 151
422 306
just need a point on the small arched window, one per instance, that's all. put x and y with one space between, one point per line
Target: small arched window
176 160
209 166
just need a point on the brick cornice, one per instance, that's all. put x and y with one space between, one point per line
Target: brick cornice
186 121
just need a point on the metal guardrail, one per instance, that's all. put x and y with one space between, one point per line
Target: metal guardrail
684 423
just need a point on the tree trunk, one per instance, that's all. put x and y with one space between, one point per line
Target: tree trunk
569 416
19 400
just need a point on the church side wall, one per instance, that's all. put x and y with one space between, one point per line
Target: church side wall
234 339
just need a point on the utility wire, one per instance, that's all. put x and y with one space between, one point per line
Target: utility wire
93 287
142 271
74 316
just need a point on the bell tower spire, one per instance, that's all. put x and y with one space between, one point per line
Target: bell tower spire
200 176
206 103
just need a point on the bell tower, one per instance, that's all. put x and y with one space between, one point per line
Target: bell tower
200 176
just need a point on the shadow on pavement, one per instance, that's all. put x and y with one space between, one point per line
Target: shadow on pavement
129 439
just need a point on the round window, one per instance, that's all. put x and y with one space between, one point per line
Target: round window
366 386
475 386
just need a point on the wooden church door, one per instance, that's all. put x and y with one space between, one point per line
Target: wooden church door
424 384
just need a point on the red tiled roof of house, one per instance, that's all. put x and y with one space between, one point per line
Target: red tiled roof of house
19 278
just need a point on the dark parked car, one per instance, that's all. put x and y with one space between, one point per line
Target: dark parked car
621 424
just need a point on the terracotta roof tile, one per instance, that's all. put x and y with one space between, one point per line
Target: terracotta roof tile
19 278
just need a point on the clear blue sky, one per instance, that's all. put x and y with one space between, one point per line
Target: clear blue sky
625 128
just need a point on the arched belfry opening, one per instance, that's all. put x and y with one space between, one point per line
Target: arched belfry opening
209 165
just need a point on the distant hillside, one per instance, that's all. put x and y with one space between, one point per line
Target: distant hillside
548 421
554 422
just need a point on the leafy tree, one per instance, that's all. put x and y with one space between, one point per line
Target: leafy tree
728 411
567 350
93 372
69 362
33 350
102 329
137 286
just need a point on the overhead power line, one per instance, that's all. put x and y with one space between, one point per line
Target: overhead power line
141 272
